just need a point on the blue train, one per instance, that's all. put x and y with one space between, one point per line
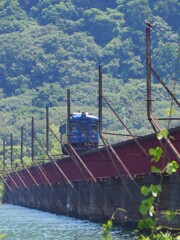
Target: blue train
84 134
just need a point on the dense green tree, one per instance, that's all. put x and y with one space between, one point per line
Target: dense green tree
50 45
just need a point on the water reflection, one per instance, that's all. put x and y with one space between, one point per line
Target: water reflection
20 223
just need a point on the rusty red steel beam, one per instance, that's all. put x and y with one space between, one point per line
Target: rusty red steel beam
82 163
137 142
10 189
2 178
108 146
18 177
58 168
31 176
36 183
72 157
164 85
27 170
91 174
149 70
55 164
35 162
169 119
167 139
41 173
120 134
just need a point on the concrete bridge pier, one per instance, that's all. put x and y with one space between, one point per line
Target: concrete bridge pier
174 198
130 198
83 199
61 197
111 188
96 212
72 200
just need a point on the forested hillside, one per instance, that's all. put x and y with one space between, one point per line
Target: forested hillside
47 46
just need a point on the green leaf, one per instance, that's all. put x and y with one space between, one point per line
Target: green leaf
163 134
146 205
155 189
172 167
147 223
145 190
156 153
143 209
106 232
141 225
109 224
170 215
155 170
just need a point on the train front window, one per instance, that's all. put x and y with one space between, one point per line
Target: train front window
63 129
83 128
74 127
93 127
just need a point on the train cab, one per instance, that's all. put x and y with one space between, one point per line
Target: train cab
84 135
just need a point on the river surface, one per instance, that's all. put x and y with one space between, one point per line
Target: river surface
19 223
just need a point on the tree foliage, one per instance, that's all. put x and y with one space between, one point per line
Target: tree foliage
48 46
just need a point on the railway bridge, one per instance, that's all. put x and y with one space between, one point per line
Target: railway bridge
95 184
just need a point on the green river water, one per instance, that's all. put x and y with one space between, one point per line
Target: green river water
19 223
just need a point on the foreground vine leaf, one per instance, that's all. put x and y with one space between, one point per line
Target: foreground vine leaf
106 232
170 215
155 170
156 153
163 134
172 167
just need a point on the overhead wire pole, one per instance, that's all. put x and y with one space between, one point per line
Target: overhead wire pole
23 165
47 129
11 151
40 169
43 177
4 171
32 140
100 99
4 153
109 147
150 69
22 144
68 115
66 148
59 169
70 149
16 185
77 159
32 178
148 72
